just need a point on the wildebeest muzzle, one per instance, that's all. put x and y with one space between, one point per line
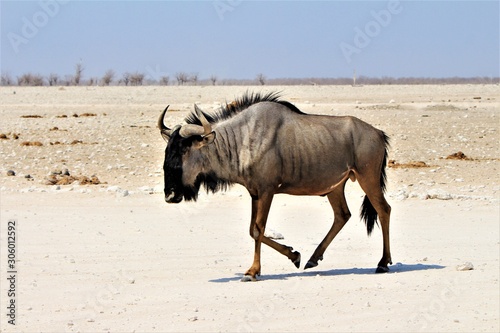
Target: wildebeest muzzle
172 197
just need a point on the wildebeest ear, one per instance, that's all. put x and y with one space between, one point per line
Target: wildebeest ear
205 140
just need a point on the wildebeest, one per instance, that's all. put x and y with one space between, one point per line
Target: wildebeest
269 146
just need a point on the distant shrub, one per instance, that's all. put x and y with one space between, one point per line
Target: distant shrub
30 79
164 80
194 78
78 74
261 79
136 79
213 79
181 78
53 79
108 77
6 80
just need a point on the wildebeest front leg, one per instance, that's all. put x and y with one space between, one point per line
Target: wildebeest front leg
260 212
342 215
287 251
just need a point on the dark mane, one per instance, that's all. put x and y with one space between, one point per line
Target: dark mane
240 104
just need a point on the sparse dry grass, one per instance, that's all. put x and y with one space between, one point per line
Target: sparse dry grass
413 164
14 136
74 142
68 180
31 116
88 114
458 156
31 143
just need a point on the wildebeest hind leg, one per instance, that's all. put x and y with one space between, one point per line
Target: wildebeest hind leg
375 195
342 215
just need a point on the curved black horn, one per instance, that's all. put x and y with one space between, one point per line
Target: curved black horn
190 129
206 125
164 130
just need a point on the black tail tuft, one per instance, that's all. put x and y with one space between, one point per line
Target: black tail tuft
368 214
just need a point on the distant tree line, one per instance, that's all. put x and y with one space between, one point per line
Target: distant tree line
183 78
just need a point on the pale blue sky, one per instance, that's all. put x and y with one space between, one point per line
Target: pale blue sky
239 39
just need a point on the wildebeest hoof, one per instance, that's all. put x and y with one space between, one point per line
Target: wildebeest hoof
381 269
296 262
248 278
311 264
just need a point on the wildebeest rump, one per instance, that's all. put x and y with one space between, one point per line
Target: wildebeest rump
269 146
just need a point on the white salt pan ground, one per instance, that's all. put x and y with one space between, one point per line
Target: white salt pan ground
114 257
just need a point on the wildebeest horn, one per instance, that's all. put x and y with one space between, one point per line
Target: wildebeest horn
164 130
206 125
190 129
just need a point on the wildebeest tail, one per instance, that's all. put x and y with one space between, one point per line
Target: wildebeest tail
368 212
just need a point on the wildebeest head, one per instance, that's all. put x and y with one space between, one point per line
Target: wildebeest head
184 164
